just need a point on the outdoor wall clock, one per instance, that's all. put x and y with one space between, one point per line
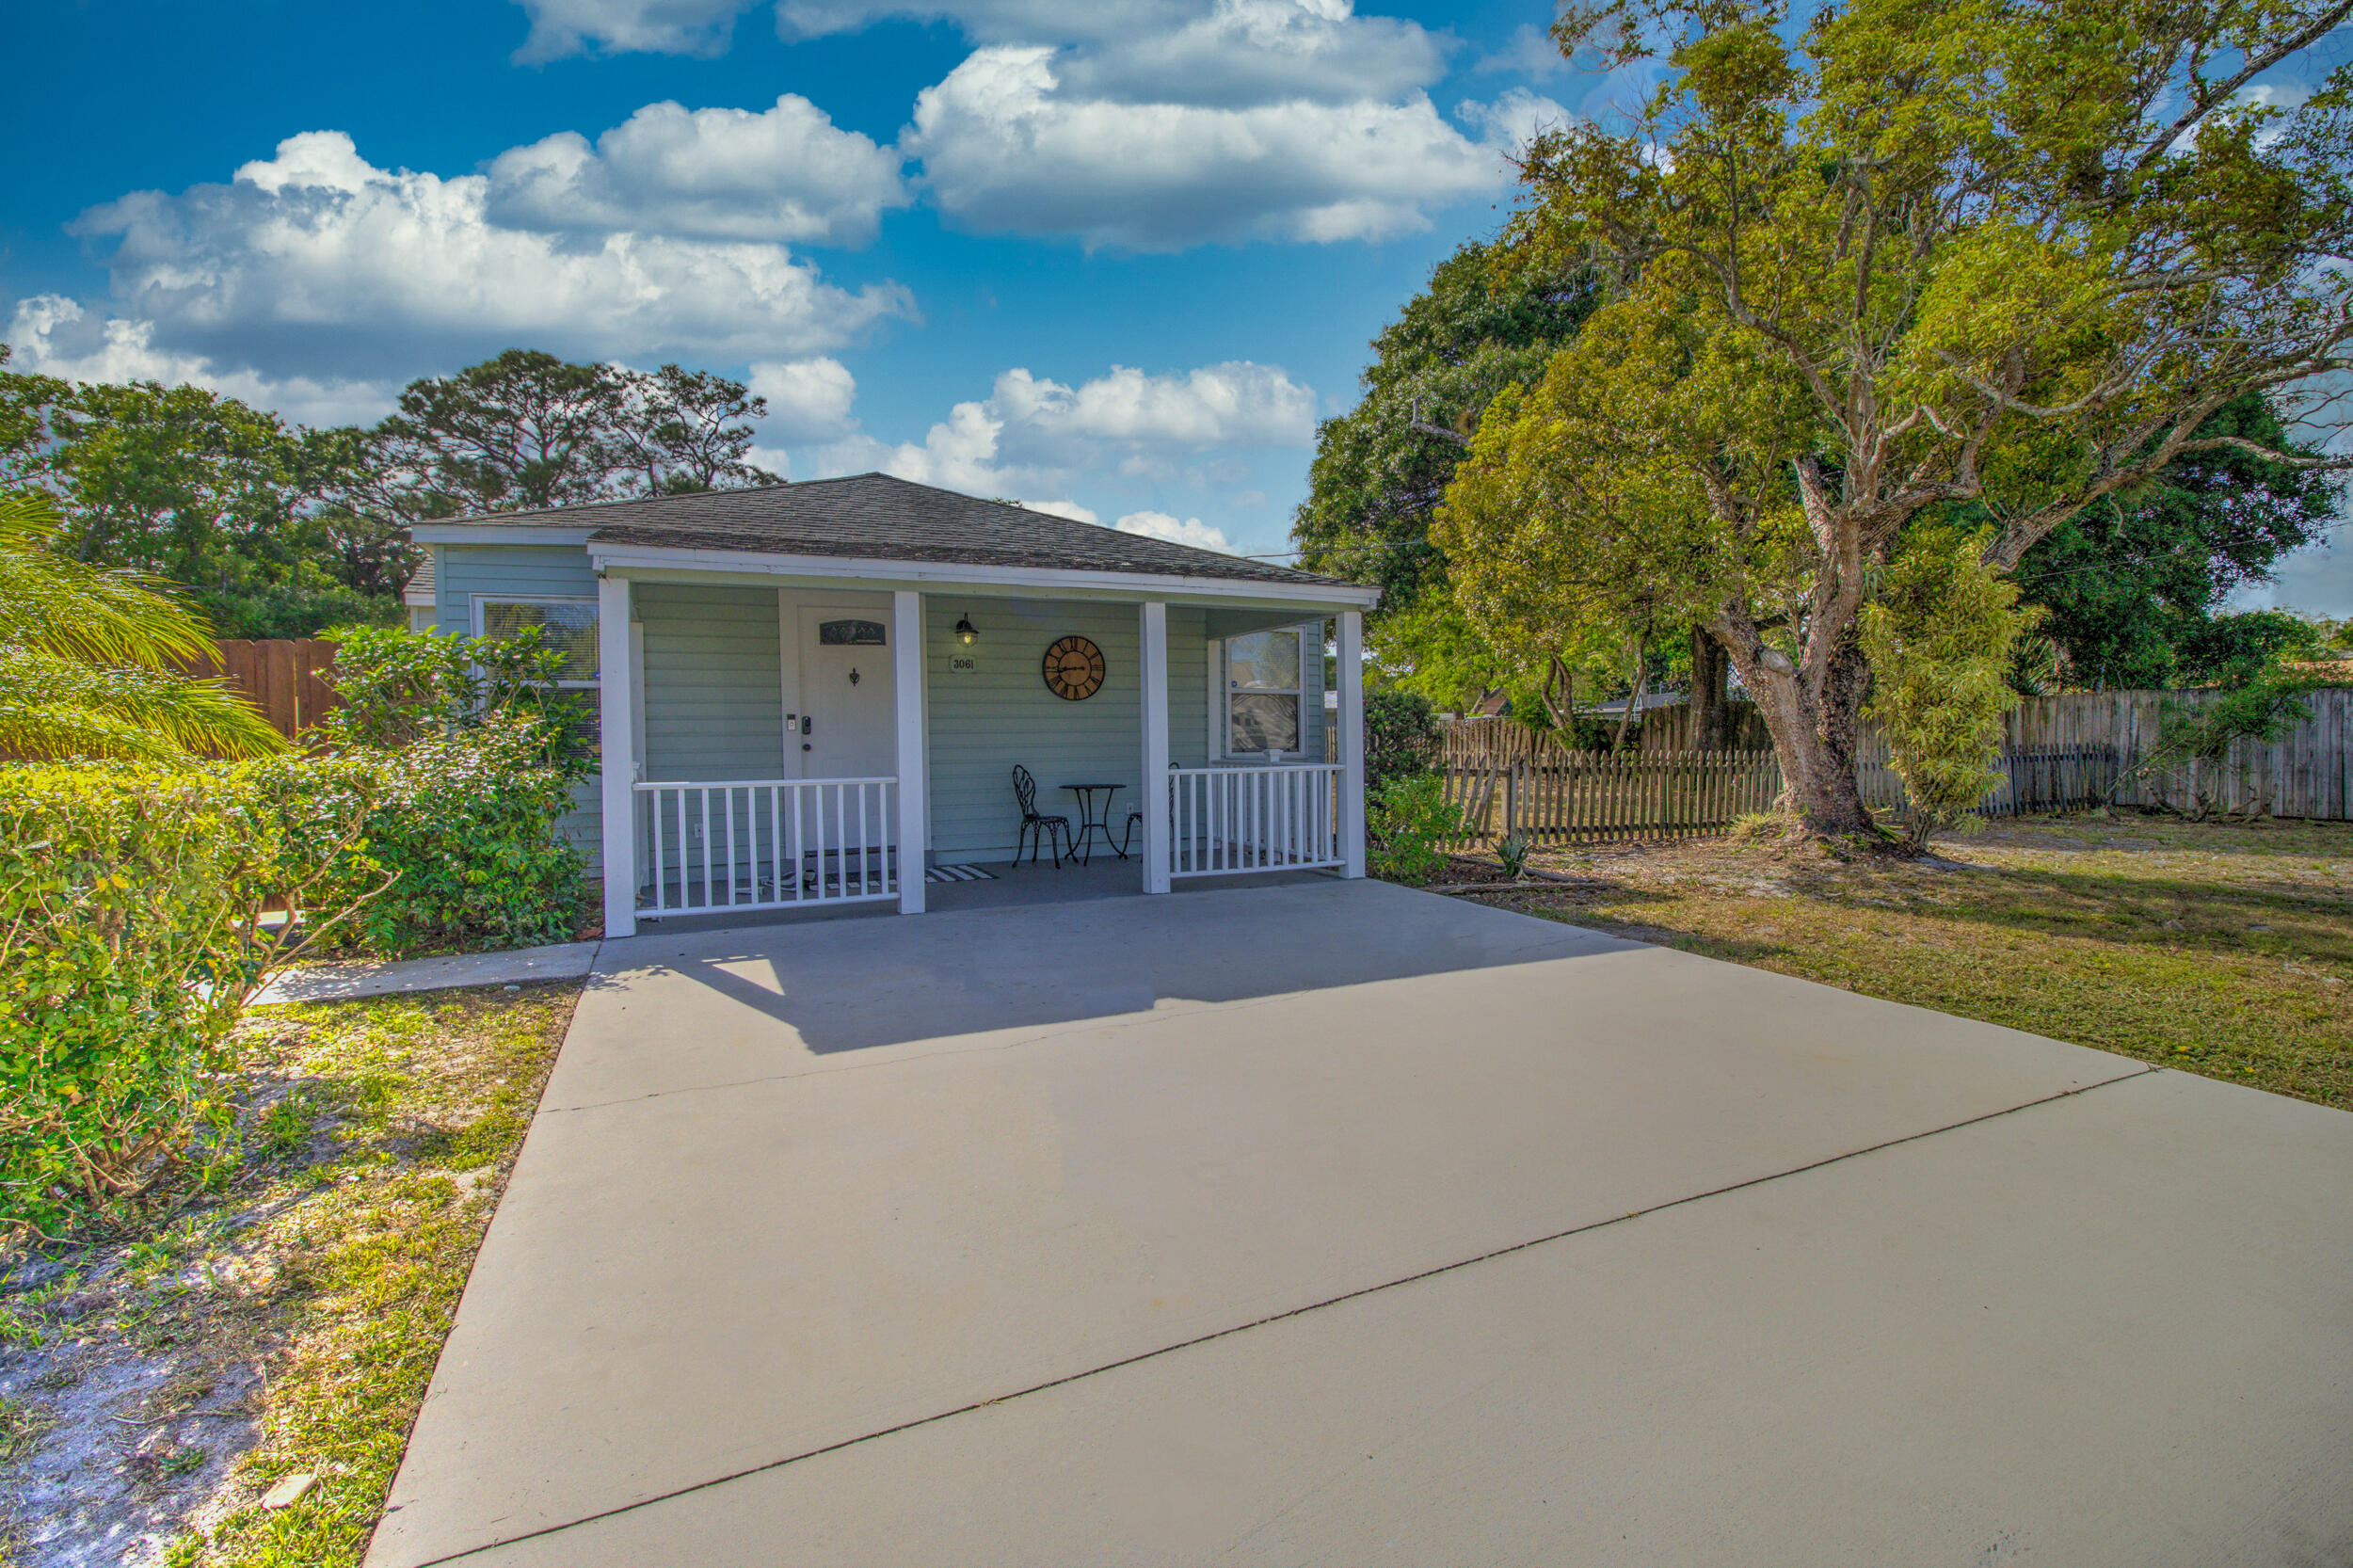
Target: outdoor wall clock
1073 669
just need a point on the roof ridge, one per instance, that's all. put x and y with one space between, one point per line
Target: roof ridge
878 516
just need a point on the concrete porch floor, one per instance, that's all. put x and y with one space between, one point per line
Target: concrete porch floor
1336 1223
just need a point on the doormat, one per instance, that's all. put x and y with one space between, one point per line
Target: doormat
958 874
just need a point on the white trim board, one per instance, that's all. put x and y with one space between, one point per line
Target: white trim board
1024 579
454 532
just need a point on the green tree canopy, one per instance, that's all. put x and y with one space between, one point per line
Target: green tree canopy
526 430
276 530
1381 468
2134 585
2014 254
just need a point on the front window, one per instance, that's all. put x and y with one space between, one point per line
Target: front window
1262 689
567 625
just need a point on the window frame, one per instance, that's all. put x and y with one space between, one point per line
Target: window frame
478 602
1298 694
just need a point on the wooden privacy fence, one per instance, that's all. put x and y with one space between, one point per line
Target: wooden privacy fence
2308 772
286 679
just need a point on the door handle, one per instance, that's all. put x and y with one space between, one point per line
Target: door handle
804 727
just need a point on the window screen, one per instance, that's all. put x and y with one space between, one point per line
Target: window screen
1263 692
568 629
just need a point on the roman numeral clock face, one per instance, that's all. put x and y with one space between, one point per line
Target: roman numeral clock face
1073 669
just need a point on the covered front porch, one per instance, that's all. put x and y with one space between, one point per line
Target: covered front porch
789 742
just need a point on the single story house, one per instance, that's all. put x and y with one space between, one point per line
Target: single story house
810 691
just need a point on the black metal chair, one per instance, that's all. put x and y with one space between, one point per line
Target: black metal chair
1036 827
1135 820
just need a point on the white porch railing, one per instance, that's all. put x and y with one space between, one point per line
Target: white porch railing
1275 817
766 843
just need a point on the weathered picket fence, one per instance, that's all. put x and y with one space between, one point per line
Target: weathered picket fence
1562 797
2055 748
1595 797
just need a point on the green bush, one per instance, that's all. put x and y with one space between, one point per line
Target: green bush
1407 825
129 897
464 826
1940 638
466 751
1402 735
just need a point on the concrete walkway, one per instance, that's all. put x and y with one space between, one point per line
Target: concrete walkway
517 966
1343 1223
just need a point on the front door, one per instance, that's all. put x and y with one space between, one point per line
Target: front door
848 728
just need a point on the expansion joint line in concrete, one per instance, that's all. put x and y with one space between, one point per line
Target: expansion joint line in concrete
1276 1318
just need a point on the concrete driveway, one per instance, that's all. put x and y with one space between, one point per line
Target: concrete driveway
1340 1224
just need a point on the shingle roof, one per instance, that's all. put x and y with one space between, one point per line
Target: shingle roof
875 517
419 583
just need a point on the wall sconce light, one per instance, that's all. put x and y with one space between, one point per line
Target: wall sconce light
966 632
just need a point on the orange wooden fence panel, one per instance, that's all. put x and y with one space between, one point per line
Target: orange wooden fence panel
284 677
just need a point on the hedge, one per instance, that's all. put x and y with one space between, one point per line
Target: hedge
130 935
128 905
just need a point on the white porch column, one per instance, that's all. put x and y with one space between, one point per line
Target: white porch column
616 705
906 692
1155 803
1351 716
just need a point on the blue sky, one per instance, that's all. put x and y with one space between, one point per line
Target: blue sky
1112 258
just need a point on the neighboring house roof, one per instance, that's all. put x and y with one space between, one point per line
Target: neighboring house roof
420 588
875 517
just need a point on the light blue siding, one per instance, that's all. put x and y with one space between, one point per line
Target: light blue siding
714 685
984 723
1188 686
713 697
525 571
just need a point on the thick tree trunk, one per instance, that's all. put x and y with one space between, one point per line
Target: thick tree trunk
1814 725
1711 695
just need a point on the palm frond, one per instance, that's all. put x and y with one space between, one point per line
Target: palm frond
57 706
107 616
91 660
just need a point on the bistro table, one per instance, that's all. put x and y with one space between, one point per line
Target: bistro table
1094 817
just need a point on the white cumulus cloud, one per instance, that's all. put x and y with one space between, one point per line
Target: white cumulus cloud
315 262
1006 147
808 400
561 27
1159 526
1511 121
1151 125
56 336
1036 437
785 174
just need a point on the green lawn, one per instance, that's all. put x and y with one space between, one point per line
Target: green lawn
2221 950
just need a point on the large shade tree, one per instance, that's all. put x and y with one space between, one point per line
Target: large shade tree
2012 255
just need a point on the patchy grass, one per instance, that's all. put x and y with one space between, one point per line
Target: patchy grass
2225 950
163 1381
